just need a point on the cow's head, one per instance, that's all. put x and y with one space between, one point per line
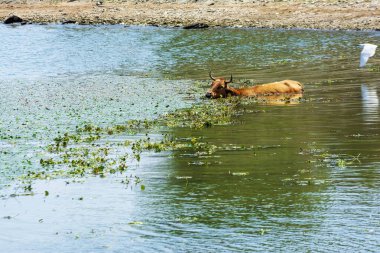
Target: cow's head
219 87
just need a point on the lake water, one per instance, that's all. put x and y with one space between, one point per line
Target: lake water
295 178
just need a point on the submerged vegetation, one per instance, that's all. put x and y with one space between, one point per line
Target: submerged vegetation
102 151
94 150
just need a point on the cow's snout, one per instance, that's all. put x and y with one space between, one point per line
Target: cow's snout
208 95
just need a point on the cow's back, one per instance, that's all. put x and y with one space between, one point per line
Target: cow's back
285 86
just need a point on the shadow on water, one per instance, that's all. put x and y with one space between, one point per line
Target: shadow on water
285 169
304 159
293 177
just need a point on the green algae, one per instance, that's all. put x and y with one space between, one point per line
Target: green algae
37 111
93 150
216 112
98 150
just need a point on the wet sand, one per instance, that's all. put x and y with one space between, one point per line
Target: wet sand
349 15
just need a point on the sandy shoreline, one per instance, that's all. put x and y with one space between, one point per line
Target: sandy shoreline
360 15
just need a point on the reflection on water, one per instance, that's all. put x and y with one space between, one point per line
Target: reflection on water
40 51
370 101
280 99
295 177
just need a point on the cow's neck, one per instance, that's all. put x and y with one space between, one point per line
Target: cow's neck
243 91
234 92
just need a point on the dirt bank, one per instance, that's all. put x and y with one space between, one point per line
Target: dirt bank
356 15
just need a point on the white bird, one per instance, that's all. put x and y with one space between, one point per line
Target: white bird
368 51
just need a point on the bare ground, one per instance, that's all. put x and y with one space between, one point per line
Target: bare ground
355 15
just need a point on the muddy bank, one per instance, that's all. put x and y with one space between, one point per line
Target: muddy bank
356 15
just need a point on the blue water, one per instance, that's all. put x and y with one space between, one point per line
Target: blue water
40 51
37 51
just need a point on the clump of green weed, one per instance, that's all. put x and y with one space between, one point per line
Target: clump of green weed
215 112
90 151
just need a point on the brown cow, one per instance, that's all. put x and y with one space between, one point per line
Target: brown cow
220 89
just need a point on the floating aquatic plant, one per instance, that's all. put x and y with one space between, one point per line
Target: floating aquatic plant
87 151
104 150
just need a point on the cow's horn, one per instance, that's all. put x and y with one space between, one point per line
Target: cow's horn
212 78
230 81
